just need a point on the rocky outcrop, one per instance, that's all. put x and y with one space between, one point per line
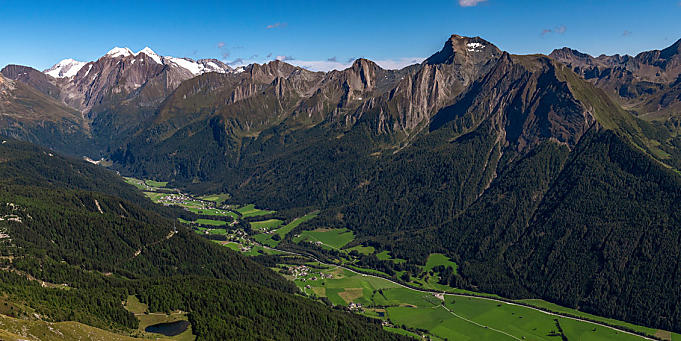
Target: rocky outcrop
644 82
32 77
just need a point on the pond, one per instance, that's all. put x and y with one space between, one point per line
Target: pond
168 328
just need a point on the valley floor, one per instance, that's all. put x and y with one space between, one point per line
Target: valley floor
413 305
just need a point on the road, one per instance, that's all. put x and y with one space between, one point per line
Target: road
464 295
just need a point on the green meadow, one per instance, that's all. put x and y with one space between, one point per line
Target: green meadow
213 211
333 238
216 198
156 184
250 211
266 224
293 224
385 255
436 259
455 318
364 250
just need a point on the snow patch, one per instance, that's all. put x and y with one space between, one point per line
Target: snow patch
188 65
119 52
88 70
474 47
65 68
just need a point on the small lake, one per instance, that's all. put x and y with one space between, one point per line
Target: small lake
168 328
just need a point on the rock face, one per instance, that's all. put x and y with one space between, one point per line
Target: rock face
645 83
28 114
32 77
121 75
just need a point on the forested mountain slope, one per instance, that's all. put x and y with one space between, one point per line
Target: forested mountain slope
75 241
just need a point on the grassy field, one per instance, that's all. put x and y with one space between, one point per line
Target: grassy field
216 198
156 184
469 318
283 231
265 239
364 250
272 224
12 329
266 224
385 255
146 318
333 238
136 182
154 196
251 211
560 309
213 212
344 286
207 222
256 250
436 259
211 222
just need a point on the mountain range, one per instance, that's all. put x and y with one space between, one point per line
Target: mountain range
541 176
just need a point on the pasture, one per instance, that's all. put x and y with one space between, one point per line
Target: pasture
465 318
385 255
560 309
332 238
146 318
216 198
266 224
210 222
364 250
211 211
290 226
250 211
156 184
436 259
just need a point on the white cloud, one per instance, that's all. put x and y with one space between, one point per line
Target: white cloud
470 3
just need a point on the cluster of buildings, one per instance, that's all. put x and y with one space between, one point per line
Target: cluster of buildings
237 236
301 272
355 306
176 199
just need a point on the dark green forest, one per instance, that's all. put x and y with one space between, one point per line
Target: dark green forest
92 260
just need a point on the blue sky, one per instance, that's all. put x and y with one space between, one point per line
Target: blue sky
325 34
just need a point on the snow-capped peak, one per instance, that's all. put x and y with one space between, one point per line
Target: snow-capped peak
197 67
70 67
119 52
149 52
65 68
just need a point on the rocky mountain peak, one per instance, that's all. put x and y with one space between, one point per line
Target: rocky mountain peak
671 51
40 81
458 49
